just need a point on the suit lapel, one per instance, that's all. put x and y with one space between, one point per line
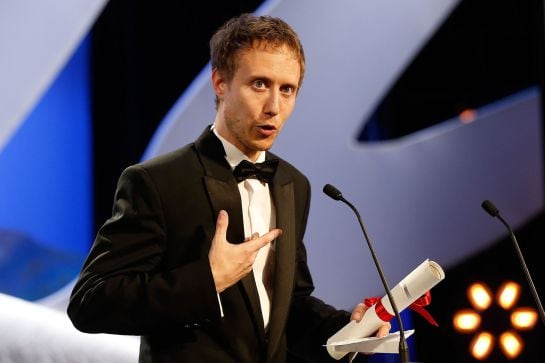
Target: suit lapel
283 196
223 192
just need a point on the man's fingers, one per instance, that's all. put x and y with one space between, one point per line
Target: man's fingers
221 223
359 310
384 330
257 242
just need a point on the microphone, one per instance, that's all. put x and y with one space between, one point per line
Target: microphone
335 194
491 209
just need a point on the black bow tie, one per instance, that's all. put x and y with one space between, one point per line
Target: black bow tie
263 171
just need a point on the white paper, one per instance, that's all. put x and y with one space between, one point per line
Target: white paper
387 344
413 286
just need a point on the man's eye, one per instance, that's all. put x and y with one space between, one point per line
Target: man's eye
288 89
259 84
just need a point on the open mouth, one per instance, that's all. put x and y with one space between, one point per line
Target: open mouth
266 130
267 127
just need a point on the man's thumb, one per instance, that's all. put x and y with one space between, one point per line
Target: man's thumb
222 223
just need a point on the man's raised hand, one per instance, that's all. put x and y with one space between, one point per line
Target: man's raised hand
231 262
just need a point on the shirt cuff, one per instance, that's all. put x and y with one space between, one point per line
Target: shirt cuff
219 303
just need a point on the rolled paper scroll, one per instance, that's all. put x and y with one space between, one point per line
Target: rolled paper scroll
412 287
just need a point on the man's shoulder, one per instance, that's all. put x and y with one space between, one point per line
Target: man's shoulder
179 161
184 154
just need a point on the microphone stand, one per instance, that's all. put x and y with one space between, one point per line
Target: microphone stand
332 192
494 212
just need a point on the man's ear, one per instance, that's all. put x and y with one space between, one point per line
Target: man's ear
218 83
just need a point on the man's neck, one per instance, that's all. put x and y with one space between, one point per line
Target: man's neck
233 154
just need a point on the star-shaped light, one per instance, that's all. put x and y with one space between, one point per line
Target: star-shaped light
469 320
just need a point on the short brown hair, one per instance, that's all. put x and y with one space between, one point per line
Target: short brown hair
241 32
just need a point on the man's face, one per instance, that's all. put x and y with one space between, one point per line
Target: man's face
258 100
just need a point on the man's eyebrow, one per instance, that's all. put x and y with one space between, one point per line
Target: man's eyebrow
263 78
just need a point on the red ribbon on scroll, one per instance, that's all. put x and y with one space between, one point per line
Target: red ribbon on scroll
417 306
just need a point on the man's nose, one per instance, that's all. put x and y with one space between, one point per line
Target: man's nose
272 106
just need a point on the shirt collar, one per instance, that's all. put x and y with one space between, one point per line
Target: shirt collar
232 154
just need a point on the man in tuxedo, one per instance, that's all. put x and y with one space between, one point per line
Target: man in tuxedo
203 256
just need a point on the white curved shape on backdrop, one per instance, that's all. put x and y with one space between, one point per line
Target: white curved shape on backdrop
34 333
419 196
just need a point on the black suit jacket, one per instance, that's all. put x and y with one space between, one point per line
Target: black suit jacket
148 271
